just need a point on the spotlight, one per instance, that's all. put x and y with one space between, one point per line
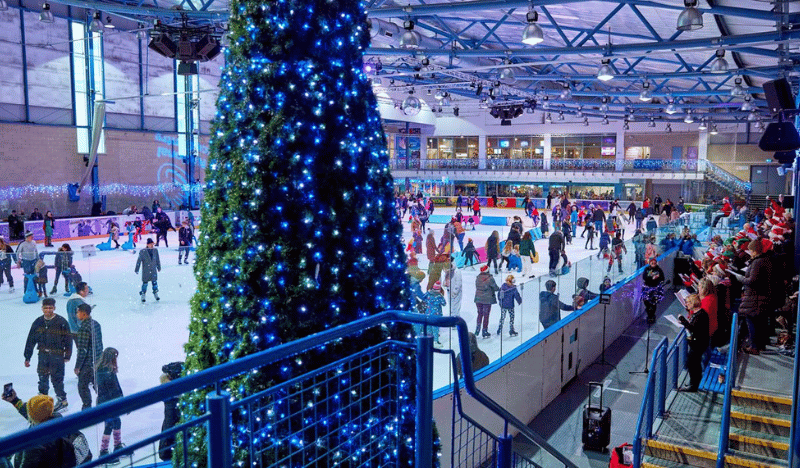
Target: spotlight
691 18
585 121
752 116
646 95
507 75
720 65
605 72
518 111
141 32
96 26
579 112
187 68
604 105
410 38
671 108
495 112
626 126
46 16
532 34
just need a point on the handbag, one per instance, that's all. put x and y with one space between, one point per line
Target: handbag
535 257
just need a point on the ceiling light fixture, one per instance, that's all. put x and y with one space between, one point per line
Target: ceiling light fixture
652 123
585 121
566 93
96 26
690 19
3 5
747 105
548 118
46 16
688 119
719 65
411 105
109 24
410 38
714 129
626 126
669 128
646 95
737 89
671 108
579 113
561 115
605 120
532 34
604 105
605 73
507 74
703 126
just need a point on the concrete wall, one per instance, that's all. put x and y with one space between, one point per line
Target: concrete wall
38 162
737 159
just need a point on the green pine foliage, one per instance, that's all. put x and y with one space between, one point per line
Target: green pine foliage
298 229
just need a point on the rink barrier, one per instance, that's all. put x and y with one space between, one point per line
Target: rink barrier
257 408
64 227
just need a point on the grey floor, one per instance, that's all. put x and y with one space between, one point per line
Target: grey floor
692 417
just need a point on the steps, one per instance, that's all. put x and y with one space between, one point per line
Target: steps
758 436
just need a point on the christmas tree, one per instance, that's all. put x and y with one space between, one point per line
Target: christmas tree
298 228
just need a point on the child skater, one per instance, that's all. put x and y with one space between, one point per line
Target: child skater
434 301
115 235
41 277
108 389
470 255
515 260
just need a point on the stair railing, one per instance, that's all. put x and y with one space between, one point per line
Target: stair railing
730 378
644 424
726 177
219 408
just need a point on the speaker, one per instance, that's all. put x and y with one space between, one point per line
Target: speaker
785 157
780 136
163 45
207 48
779 95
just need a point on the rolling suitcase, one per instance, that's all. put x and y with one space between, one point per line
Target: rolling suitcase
596 422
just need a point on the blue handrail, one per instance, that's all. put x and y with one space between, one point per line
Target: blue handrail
645 420
730 378
72 423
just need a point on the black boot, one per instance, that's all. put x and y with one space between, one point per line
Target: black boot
486 334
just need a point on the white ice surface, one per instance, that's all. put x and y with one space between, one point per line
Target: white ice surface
152 334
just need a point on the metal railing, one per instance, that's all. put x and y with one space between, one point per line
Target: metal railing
730 379
351 385
726 178
665 367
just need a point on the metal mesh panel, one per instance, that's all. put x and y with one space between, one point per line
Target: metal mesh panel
343 415
472 447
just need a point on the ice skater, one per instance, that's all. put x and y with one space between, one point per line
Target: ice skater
108 389
470 255
507 295
6 257
150 264
185 237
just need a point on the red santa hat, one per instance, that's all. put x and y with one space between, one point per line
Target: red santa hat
767 244
484 268
437 285
768 212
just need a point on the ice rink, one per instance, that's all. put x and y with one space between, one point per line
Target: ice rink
152 334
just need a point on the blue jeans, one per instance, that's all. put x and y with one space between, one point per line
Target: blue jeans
155 287
598 226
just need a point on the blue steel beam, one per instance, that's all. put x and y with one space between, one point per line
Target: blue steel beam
729 43
484 5
600 25
493 29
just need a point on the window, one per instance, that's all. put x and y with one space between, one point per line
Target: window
515 147
584 147
453 148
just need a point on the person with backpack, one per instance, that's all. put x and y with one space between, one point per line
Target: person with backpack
61 452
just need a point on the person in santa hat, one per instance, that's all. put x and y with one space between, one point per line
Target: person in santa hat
726 210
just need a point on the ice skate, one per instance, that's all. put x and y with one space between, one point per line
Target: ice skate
512 333
155 294
142 295
60 405
486 334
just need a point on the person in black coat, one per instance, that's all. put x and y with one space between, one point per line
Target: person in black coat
652 288
51 335
556 244
757 296
697 327
172 415
108 389
185 238
550 305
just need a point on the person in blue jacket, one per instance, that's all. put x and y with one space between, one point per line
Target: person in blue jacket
550 305
668 242
605 241
686 245
507 295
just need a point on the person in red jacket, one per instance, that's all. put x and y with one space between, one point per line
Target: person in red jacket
726 211
476 208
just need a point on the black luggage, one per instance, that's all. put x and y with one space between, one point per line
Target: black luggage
596 423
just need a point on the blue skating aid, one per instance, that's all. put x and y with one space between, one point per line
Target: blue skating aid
31 296
105 245
129 245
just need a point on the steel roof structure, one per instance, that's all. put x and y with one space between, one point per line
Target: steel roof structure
474 52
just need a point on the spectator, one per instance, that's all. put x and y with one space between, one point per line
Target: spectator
50 334
725 211
172 414
36 215
479 358
49 225
550 305
756 296
697 327
89 346
7 256
708 301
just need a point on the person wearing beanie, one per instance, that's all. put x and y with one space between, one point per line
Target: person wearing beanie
150 264
434 301
27 254
485 295
54 453
89 346
50 334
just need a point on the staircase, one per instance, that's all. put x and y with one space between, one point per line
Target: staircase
722 183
